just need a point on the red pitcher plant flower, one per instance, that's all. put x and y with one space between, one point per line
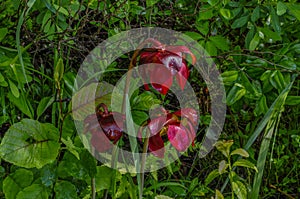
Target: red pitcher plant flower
110 129
180 128
171 60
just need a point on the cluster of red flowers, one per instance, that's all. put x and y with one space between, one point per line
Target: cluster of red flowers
163 64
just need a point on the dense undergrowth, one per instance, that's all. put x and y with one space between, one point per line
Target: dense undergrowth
255 46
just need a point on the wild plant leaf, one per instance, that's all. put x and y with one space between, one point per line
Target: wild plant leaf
244 163
33 191
16 181
87 98
241 152
239 189
211 176
65 190
30 144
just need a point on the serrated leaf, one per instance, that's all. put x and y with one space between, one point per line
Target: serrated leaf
211 176
43 105
30 144
33 191
14 89
241 152
16 181
65 190
244 163
239 189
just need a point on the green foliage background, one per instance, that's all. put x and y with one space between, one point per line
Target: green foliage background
255 45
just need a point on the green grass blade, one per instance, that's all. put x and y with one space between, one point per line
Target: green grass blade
275 108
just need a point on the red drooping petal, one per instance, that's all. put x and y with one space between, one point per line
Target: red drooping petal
100 142
156 146
161 79
181 49
179 137
189 113
182 75
112 125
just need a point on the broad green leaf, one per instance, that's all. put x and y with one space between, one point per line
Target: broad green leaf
240 22
139 117
244 163
270 36
241 152
22 104
194 35
239 189
220 42
294 9
88 162
30 144
226 13
281 8
229 77
207 14
255 15
14 89
211 176
219 195
275 20
65 190
277 80
292 100
254 42
43 105
70 147
16 181
3 32
235 94
33 191
211 48
261 106
103 178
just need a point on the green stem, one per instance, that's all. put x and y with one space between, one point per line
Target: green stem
144 156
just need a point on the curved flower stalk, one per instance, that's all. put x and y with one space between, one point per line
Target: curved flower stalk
110 129
167 62
180 128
